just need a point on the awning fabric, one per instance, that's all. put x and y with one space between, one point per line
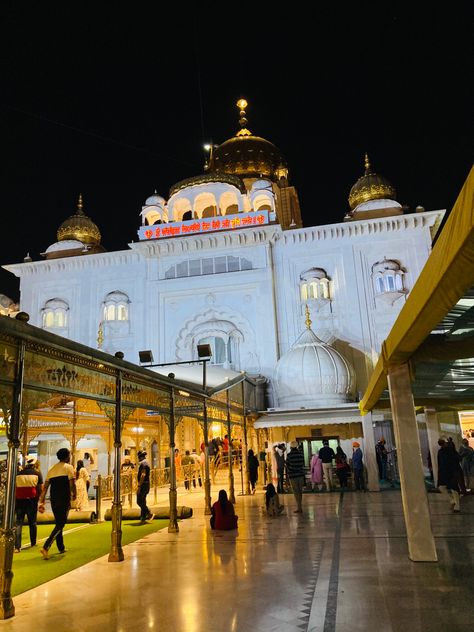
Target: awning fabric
446 277
344 413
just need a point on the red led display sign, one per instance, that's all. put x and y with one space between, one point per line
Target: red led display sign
198 226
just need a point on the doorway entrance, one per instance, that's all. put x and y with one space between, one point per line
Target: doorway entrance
312 446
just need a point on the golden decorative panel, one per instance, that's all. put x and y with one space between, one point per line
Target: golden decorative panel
141 396
60 375
8 357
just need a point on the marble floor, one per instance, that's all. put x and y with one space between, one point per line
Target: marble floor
340 566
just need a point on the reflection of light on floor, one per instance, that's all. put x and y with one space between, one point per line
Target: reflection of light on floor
233 625
189 609
151 619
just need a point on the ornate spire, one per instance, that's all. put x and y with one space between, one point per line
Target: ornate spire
80 205
367 164
242 104
308 322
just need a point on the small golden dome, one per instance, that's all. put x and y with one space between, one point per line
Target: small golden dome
370 187
79 227
246 155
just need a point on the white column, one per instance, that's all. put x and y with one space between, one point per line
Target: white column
421 544
432 430
370 458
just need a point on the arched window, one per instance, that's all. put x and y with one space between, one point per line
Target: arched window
211 265
205 202
54 314
388 280
225 340
314 286
221 349
116 306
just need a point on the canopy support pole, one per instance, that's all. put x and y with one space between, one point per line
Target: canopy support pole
421 544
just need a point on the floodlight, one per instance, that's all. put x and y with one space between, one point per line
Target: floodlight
204 351
146 357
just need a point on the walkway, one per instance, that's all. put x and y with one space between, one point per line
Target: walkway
341 566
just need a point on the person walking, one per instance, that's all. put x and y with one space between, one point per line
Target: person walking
382 458
197 469
252 465
342 467
327 455
466 454
82 478
143 487
295 469
358 467
126 469
29 484
187 464
61 480
316 469
279 453
448 477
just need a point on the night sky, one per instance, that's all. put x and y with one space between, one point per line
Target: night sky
117 103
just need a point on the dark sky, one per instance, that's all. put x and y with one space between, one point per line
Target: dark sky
116 103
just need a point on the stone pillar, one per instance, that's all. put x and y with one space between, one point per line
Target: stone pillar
116 550
421 544
370 458
229 433
7 529
245 447
207 481
173 495
432 430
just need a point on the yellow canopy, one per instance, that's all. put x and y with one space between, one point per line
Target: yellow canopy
446 277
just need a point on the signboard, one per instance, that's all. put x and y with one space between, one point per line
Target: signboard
206 225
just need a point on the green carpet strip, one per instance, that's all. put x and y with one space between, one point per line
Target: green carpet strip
84 543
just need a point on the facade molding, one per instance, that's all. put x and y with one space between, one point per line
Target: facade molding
364 228
74 264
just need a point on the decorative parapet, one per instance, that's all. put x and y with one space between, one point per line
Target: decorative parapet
73 264
365 228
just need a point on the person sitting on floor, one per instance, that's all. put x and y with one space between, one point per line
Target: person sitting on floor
223 516
272 502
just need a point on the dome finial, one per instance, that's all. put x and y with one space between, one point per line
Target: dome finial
242 104
80 205
367 164
308 322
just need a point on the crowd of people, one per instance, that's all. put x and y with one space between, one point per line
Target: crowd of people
68 485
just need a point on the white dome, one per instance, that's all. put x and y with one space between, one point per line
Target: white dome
66 244
373 205
258 185
155 200
312 374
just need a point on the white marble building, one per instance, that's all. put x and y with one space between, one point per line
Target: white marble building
225 260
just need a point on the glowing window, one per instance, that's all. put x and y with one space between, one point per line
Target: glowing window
55 314
116 306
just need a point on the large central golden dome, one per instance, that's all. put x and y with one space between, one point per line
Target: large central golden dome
246 155
79 227
370 187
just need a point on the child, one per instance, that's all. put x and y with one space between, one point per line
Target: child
272 502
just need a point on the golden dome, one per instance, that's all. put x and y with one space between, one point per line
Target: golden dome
79 227
246 155
370 187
